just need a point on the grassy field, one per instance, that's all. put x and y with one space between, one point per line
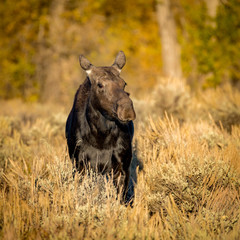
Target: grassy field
186 172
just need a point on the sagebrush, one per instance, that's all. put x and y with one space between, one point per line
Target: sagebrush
186 176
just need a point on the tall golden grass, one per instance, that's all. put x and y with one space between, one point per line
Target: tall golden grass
187 186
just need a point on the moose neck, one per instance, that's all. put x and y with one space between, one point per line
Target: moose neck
98 123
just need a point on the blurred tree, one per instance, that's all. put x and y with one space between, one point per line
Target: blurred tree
51 80
212 6
170 48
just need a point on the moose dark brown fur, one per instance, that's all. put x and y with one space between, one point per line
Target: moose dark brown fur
99 128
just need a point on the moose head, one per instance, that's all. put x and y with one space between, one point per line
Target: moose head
107 89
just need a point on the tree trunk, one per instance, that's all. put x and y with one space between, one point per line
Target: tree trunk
212 6
53 63
171 56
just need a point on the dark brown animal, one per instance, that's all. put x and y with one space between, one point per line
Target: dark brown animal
99 128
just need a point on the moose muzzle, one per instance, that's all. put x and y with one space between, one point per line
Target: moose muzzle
125 110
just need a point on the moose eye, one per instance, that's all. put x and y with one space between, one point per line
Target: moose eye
100 85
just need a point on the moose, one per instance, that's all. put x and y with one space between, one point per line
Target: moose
99 128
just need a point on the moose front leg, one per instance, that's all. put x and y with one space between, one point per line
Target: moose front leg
121 181
121 161
125 184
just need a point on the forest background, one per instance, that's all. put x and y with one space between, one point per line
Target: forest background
40 41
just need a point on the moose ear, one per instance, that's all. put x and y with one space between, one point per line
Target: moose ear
85 64
120 61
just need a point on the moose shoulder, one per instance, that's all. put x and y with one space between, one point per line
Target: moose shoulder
99 128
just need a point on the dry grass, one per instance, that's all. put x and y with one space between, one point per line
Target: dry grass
224 106
189 187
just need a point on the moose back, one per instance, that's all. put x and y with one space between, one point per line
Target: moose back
99 128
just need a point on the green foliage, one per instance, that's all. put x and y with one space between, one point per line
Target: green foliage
228 26
210 46
19 28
